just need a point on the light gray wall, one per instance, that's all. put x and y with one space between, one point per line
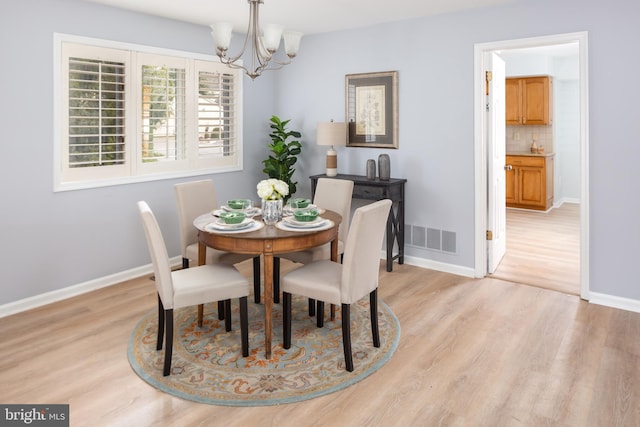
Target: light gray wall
566 135
50 241
434 57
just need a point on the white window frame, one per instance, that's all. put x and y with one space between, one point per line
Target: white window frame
134 170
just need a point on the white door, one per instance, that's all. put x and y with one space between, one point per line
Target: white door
496 147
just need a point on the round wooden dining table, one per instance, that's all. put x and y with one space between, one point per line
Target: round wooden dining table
268 241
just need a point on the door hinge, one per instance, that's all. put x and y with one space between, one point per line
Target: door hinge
488 76
489 235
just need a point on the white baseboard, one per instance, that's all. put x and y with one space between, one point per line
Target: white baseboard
103 282
594 297
615 302
79 289
559 203
439 266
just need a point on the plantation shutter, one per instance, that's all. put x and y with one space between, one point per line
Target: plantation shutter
126 115
217 114
163 113
96 126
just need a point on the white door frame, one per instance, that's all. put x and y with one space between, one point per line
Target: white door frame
480 146
496 159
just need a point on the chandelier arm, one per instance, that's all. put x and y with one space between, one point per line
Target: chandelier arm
262 59
279 63
254 34
233 65
233 59
261 53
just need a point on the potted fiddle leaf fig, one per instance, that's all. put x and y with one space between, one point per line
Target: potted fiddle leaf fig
284 153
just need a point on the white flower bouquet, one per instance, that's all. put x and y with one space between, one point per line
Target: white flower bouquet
272 189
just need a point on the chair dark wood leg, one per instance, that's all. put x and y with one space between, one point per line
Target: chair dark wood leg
227 315
185 263
373 303
221 312
244 326
200 314
160 324
168 347
286 319
276 280
320 314
346 336
256 279
312 307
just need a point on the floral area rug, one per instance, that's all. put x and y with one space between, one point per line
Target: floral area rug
208 366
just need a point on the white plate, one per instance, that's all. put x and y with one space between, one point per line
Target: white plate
309 206
291 220
219 224
324 225
228 209
288 210
248 212
318 222
212 227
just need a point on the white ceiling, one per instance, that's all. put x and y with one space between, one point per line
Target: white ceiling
310 17
317 16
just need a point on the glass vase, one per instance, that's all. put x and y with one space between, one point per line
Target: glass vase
271 211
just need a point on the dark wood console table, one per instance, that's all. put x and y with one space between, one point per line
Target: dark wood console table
375 189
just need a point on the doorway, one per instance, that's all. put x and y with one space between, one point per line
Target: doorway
543 248
484 217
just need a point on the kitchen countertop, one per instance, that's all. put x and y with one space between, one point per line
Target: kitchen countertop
529 153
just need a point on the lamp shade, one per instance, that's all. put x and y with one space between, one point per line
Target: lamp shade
332 133
291 42
272 35
221 33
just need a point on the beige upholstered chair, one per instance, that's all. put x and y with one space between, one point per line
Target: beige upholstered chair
193 199
191 286
344 283
335 195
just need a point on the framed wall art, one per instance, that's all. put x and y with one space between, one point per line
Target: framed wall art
372 109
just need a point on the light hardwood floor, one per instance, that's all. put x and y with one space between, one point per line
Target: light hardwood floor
472 353
543 248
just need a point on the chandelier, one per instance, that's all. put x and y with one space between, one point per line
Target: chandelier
264 43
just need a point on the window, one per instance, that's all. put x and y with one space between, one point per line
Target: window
131 113
96 113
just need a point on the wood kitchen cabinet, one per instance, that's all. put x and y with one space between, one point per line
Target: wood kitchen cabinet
529 181
528 100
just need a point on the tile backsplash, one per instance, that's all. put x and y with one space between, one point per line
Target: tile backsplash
520 137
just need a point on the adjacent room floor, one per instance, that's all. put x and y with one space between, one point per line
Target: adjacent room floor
543 249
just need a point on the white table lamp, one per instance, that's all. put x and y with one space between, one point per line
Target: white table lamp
333 134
